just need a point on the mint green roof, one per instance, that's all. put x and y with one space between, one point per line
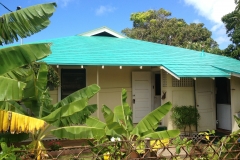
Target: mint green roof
110 51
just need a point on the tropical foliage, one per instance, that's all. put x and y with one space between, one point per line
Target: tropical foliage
25 103
157 26
185 116
118 123
231 21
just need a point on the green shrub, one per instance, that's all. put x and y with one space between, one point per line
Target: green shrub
185 116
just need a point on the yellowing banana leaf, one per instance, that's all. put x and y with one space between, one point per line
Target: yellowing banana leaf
79 132
162 134
11 89
123 114
86 92
95 122
17 56
25 22
150 122
18 123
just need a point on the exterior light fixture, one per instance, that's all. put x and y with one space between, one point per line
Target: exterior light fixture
102 67
57 66
140 67
120 67
81 66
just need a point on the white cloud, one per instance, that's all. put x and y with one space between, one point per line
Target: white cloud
104 9
64 3
214 10
196 21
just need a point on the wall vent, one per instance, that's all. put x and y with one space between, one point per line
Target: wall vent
164 79
183 82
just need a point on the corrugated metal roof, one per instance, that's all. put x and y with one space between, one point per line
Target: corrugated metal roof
109 51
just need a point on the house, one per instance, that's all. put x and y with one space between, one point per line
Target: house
152 74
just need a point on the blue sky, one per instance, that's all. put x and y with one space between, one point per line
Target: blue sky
77 16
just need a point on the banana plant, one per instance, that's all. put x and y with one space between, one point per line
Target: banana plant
118 123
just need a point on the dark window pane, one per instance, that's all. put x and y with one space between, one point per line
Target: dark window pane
72 80
157 85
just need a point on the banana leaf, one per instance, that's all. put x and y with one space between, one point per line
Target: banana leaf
150 122
78 117
12 106
20 74
36 95
17 56
79 132
11 89
114 129
123 113
95 122
64 115
25 22
86 92
162 134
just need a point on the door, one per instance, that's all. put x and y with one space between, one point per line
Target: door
205 103
141 95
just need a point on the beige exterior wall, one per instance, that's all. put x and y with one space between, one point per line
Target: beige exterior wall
112 80
177 96
235 102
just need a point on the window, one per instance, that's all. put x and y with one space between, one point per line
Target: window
157 84
72 80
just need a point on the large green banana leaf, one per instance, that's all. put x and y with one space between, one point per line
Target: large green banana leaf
71 113
150 122
20 74
11 89
86 92
162 134
79 132
17 56
95 122
123 113
25 22
114 129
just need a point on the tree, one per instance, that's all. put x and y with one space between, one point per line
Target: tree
231 21
157 26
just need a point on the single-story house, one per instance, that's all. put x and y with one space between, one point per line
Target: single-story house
152 74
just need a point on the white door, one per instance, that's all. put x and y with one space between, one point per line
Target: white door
141 95
205 103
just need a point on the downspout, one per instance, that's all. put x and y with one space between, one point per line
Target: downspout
195 98
98 113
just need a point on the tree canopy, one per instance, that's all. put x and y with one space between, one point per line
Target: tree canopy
158 26
231 21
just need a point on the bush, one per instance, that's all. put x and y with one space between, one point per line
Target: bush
185 116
